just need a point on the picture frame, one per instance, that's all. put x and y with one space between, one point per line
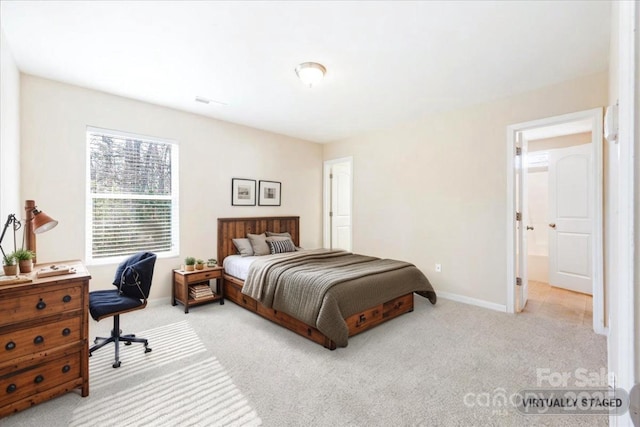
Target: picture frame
269 193
243 192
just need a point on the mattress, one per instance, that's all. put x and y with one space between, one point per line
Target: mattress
238 266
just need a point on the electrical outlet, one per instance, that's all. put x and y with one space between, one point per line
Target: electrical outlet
438 268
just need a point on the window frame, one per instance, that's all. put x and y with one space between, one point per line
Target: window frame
175 211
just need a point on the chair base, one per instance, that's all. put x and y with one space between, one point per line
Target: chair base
116 338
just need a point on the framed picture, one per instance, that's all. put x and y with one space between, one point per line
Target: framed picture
269 193
243 192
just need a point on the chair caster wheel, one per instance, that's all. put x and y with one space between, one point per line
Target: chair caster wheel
147 350
95 341
127 343
117 364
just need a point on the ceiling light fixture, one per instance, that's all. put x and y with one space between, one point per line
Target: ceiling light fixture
204 100
310 73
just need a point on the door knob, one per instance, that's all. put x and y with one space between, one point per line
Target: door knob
529 227
552 225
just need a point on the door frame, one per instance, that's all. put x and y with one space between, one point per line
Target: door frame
595 115
326 197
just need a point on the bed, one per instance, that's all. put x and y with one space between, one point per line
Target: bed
347 308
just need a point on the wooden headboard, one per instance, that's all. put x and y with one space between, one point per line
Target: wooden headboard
234 228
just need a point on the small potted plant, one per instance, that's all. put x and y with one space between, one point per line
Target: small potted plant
212 262
9 265
189 263
199 264
25 260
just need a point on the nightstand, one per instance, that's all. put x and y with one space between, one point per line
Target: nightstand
193 287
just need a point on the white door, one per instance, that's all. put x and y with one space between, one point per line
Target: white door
571 218
338 189
521 232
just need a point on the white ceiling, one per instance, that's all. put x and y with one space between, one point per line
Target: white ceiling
387 62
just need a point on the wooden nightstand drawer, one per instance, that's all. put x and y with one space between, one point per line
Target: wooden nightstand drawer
39 338
39 304
38 378
204 275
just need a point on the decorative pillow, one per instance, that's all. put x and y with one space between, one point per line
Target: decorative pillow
285 234
243 246
259 244
280 245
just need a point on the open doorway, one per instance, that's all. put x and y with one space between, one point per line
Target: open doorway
558 228
555 219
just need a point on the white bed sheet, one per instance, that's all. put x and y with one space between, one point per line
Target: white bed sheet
238 266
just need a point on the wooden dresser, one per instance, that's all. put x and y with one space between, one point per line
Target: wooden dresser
43 338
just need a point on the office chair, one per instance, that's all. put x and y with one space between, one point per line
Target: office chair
133 279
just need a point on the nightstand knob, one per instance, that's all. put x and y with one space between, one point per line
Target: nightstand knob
41 305
38 379
65 369
66 332
10 346
38 340
66 298
11 388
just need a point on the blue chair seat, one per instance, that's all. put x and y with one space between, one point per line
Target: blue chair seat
103 303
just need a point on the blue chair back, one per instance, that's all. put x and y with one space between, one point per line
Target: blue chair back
134 275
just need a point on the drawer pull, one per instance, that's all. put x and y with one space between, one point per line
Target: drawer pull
38 379
38 340
41 305
66 298
10 346
11 388
66 332
65 369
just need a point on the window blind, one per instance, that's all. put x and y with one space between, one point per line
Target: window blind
133 198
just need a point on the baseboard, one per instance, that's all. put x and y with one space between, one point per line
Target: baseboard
472 301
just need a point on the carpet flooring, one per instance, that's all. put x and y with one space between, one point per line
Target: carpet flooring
442 365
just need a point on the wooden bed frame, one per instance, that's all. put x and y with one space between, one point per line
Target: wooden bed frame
232 228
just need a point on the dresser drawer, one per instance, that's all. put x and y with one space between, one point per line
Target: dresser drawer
37 305
40 338
35 379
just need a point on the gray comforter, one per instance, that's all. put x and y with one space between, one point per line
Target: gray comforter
322 287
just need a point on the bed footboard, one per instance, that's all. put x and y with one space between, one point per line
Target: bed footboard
356 323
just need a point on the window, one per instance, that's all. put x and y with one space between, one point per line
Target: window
132 203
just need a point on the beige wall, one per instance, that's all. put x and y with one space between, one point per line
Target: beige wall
9 136
434 190
559 141
54 120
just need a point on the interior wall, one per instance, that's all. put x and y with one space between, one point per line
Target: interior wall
9 136
434 190
559 142
212 152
